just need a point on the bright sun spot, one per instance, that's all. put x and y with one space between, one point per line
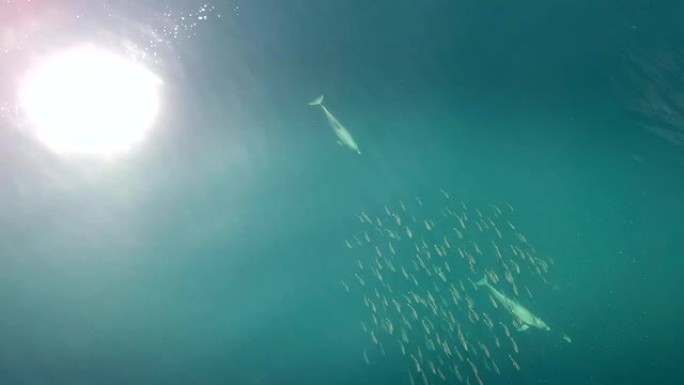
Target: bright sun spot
90 101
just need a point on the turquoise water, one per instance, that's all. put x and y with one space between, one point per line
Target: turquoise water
215 253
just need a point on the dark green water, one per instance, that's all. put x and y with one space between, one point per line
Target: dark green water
213 254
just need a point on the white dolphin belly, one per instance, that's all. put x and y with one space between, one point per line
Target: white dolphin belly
344 136
525 317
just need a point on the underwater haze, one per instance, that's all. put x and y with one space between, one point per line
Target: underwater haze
513 214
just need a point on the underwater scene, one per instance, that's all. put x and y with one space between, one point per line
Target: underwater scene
341 192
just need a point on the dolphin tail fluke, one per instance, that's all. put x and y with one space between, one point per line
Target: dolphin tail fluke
483 281
317 102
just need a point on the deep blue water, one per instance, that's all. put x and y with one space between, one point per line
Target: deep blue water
213 254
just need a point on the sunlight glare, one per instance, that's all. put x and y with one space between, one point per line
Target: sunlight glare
90 101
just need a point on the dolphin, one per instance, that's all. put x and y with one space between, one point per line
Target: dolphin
345 138
524 317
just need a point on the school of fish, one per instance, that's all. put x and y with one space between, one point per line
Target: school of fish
419 268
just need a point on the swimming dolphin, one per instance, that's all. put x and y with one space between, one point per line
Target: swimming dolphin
345 138
524 317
